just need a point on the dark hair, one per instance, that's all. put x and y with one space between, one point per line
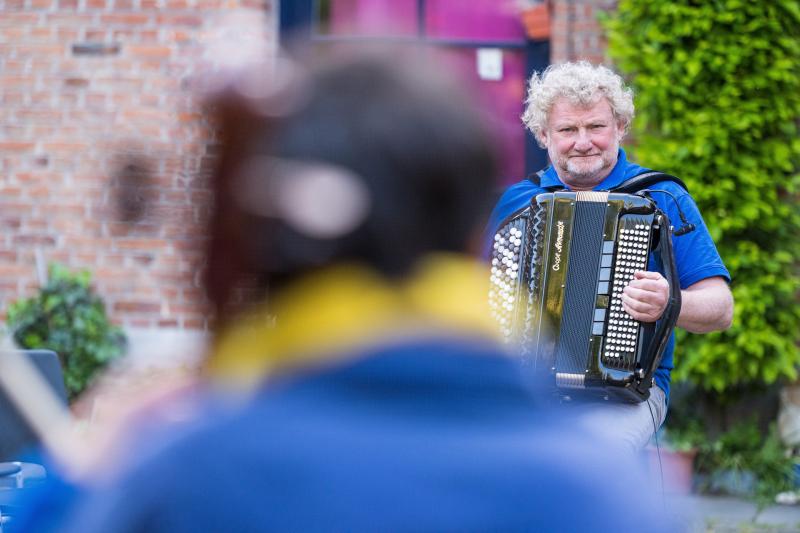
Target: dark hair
411 138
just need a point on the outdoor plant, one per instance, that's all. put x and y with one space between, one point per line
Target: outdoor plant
744 460
718 101
67 317
687 437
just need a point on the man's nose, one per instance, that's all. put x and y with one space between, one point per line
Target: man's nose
583 141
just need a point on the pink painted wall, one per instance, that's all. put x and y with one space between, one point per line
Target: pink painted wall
475 20
374 17
480 20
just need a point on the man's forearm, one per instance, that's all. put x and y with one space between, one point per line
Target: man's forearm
706 306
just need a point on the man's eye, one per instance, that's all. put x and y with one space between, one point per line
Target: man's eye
597 126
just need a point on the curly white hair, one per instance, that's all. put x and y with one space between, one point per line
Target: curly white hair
582 84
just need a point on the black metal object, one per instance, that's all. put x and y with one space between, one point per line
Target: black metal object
16 435
94 48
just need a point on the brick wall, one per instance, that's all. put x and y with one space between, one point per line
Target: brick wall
575 32
94 91
91 92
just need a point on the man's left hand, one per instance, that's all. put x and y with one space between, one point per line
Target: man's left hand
646 296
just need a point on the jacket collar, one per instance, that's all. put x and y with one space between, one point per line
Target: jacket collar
343 310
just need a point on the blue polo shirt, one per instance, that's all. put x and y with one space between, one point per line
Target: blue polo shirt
696 256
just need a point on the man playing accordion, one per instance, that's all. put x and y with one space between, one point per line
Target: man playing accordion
580 113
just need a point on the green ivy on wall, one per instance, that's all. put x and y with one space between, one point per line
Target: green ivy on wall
717 87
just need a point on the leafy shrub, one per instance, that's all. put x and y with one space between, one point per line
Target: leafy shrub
718 101
742 452
68 318
685 437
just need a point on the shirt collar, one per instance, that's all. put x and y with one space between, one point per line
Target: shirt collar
617 175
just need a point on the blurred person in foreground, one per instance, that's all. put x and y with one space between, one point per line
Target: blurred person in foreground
380 400
580 113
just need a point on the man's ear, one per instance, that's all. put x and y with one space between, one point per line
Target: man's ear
620 130
543 138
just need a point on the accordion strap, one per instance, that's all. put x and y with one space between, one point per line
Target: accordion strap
645 180
629 186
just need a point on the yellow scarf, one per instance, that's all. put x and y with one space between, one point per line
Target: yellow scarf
333 313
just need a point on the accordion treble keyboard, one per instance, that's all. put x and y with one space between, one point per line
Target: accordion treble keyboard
622 332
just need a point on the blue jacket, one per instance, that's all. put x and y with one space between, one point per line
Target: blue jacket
437 434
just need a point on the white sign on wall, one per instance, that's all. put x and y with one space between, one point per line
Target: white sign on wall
490 63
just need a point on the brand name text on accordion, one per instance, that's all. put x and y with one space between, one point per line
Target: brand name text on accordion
559 244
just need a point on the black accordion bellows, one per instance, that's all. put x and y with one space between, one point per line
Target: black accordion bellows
558 270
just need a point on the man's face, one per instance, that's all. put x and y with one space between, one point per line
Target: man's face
582 142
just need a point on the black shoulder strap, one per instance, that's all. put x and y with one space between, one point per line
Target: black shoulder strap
645 180
536 179
629 186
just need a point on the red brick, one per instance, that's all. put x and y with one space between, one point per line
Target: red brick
12 98
95 35
78 83
7 271
150 52
34 224
10 190
141 244
38 115
195 323
16 146
92 243
39 192
148 36
39 50
181 36
13 34
11 222
137 307
125 18
65 147
34 239
113 260
182 19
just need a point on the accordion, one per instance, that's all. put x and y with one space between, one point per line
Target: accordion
559 267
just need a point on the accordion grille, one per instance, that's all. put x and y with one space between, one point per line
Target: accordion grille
579 301
535 236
